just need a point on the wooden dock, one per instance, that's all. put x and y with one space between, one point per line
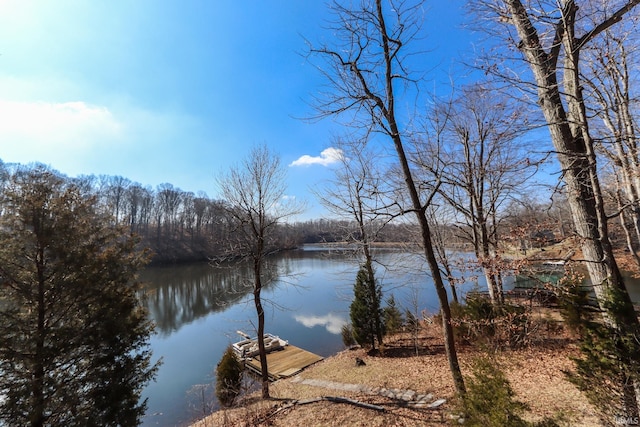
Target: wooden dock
284 363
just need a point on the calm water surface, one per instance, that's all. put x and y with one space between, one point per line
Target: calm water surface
198 309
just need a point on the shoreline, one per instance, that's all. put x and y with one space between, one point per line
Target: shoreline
535 374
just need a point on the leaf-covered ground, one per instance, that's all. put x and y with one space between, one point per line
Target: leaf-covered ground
535 373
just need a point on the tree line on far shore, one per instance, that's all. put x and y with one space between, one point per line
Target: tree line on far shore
182 226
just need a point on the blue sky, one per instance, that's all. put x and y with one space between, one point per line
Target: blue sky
175 91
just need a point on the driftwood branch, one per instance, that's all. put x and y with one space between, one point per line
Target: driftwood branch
334 399
337 399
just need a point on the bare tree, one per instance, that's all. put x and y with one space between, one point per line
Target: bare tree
111 191
169 200
439 230
254 193
188 215
609 85
529 223
200 204
360 194
480 159
365 70
133 201
550 37
615 193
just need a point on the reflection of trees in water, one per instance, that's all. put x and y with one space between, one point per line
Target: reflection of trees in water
178 295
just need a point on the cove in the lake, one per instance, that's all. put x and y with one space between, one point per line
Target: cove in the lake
198 309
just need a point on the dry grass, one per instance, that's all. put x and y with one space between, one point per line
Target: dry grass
536 374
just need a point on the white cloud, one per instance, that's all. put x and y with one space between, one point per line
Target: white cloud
118 138
32 127
327 157
332 322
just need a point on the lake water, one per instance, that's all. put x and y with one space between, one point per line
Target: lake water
198 309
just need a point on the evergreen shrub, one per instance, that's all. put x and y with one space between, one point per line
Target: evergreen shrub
490 400
228 378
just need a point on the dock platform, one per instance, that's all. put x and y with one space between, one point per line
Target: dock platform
284 363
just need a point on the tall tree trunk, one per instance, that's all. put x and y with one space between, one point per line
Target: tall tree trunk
388 111
365 81
570 136
262 351
442 257
624 320
452 284
575 155
487 261
427 245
